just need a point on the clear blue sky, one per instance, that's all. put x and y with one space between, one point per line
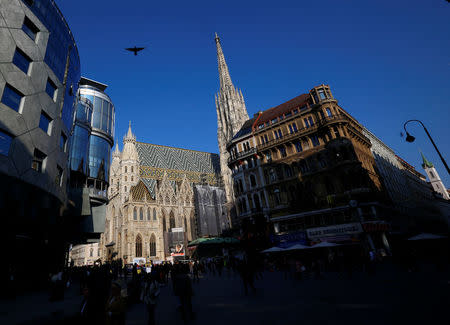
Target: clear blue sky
385 61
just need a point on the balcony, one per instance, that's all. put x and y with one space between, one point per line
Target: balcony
242 155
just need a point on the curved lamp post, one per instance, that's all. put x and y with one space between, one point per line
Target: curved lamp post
410 138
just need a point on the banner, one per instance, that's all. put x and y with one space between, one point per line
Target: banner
344 229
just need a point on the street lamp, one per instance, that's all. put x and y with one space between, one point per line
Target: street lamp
410 138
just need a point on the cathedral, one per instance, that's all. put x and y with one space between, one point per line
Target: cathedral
160 198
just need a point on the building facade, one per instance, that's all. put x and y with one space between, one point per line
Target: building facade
91 141
151 212
39 77
83 255
306 164
231 115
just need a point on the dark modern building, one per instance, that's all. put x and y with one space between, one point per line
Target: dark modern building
39 78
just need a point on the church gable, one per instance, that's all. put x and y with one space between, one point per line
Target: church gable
139 192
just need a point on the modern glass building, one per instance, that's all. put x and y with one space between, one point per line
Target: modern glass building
39 78
102 136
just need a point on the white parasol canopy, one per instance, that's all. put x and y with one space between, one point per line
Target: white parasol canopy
424 236
272 249
296 247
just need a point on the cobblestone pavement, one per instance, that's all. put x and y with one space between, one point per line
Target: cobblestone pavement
389 297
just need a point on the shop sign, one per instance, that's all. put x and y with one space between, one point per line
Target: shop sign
289 239
375 226
344 229
139 260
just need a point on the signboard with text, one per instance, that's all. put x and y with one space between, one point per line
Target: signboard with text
330 231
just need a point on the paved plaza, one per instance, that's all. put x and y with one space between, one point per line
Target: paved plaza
390 296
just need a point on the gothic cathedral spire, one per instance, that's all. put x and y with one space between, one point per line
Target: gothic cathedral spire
231 115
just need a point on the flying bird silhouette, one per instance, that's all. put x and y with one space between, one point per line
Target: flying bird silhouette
135 49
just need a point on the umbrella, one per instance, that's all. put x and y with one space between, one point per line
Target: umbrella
426 236
296 247
273 249
324 244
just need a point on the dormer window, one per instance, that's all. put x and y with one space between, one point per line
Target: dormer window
274 121
322 94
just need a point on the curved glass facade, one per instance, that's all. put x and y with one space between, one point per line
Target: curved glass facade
99 158
79 146
60 44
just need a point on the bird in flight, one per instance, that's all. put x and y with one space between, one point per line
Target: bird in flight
135 49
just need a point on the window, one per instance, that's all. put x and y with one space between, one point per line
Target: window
59 176
152 245
171 221
431 174
39 159
252 180
148 214
292 128
126 179
295 111
5 143
45 123
322 115
135 214
283 151
154 214
260 126
63 142
315 140
12 97
266 138
274 121
29 28
336 132
50 89
91 252
132 178
322 94
288 114
21 60
269 156
141 214
138 246
311 122
125 169
303 108
328 112
272 175
125 188
278 134
306 122
262 140
298 146
132 169
277 196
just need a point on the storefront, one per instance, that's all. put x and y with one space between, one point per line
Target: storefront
343 233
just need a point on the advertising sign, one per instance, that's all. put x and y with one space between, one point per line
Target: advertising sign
289 239
139 260
344 229
176 242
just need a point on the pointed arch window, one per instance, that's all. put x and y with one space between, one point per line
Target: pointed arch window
141 214
152 245
125 169
154 214
164 223
135 214
138 246
132 169
125 178
185 224
171 220
148 214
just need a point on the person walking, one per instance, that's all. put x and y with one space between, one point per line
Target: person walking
115 307
150 296
182 287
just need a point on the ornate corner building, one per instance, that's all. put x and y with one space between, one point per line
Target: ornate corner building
155 202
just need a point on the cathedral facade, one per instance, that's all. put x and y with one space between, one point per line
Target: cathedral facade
151 212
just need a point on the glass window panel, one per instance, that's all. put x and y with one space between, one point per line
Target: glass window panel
50 88
21 60
44 122
29 28
5 143
11 97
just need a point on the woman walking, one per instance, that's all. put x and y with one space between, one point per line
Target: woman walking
150 296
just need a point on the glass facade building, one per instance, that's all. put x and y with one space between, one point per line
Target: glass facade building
102 135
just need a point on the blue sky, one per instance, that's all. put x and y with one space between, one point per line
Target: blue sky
385 61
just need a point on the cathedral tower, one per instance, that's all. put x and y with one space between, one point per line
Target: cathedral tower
129 163
435 180
231 115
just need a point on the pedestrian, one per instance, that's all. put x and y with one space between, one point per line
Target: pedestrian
196 270
182 288
87 314
115 307
150 296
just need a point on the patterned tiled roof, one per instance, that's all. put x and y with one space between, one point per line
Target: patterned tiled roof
155 160
140 192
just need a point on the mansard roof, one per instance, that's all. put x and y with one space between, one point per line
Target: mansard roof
153 155
296 102
246 128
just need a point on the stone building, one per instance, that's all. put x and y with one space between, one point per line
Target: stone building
86 254
151 205
306 164
231 115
